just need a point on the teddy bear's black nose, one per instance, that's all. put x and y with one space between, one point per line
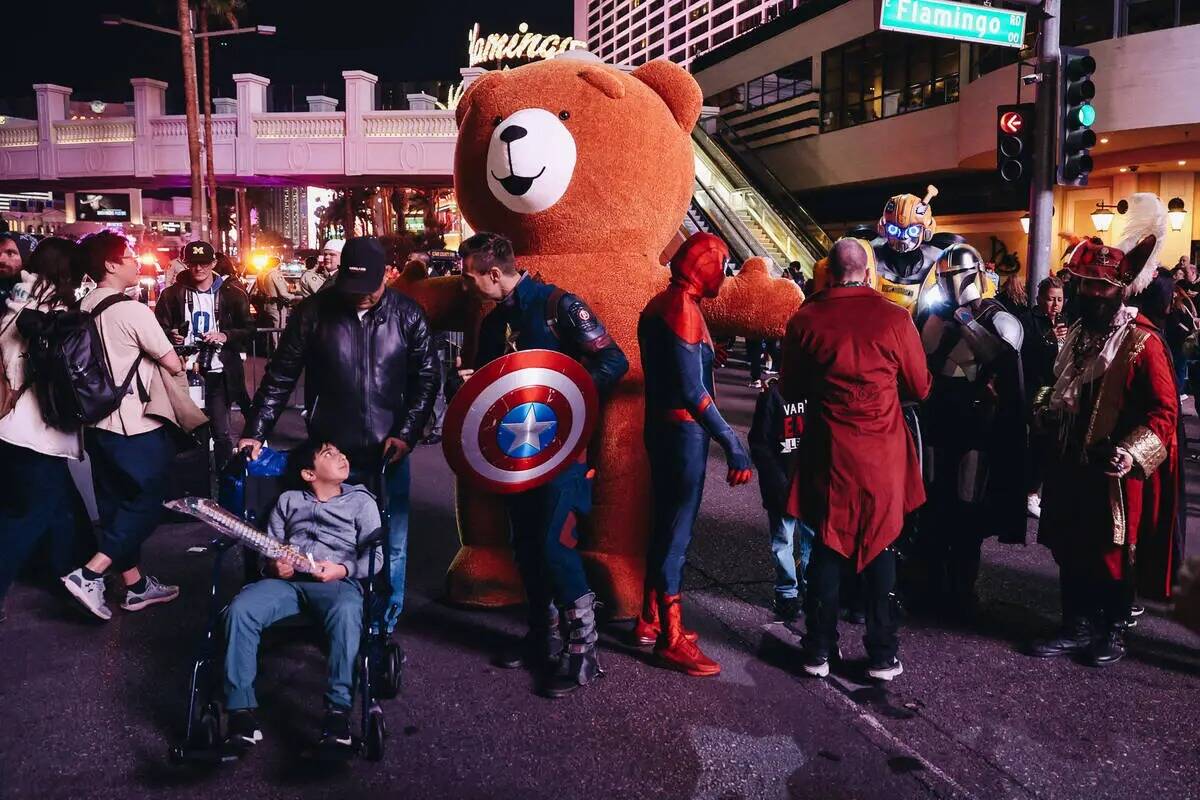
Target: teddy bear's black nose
512 133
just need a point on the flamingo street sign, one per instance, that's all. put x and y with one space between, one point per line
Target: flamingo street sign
951 20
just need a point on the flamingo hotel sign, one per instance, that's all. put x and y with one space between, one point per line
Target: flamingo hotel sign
950 20
520 46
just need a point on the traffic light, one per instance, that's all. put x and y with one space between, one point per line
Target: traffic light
1075 134
1014 146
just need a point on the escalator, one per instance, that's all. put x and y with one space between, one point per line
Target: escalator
738 198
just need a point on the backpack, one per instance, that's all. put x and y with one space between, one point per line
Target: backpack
69 368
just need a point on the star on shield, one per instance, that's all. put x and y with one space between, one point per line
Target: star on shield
526 430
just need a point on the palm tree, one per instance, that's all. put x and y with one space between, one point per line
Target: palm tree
226 9
188 46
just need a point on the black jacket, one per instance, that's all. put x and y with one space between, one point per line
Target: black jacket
366 380
766 449
233 320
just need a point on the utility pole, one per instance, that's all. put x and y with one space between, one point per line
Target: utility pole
1041 190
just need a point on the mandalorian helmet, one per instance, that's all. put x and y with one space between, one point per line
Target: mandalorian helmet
907 221
960 274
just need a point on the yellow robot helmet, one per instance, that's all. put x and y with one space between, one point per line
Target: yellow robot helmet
907 221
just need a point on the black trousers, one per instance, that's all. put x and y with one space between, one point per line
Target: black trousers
821 604
1098 599
217 403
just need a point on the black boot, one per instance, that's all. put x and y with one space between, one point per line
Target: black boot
1076 636
1108 648
582 660
539 649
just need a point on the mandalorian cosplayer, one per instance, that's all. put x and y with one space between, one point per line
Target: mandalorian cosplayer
974 429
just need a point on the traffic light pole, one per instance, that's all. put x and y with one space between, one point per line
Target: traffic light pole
1041 191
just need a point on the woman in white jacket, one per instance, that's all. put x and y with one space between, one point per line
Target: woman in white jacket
37 496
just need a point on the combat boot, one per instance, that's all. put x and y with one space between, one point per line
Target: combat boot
1108 648
647 627
1076 636
674 649
581 659
539 649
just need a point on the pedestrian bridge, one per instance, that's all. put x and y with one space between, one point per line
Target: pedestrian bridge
251 147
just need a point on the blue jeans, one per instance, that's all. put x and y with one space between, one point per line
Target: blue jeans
337 606
791 556
130 477
678 457
399 482
39 500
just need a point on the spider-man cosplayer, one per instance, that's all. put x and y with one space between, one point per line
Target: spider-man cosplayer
681 418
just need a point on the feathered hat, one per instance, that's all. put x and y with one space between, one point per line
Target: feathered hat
1147 217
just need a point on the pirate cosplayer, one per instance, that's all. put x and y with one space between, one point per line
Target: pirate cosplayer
531 315
1111 492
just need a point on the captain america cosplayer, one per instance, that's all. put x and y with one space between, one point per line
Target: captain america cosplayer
531 315
681 419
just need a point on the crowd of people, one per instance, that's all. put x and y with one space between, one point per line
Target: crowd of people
888 444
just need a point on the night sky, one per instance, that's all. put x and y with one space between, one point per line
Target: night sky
64 42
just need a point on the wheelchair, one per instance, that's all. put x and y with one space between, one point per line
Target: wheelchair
380 662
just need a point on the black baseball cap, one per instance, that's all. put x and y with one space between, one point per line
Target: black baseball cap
364 263
198 253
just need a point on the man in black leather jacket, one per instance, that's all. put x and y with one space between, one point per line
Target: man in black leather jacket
365 351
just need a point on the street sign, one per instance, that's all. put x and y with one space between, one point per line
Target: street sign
1011 122
950 20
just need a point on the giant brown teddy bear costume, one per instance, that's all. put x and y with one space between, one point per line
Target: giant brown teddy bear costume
589 171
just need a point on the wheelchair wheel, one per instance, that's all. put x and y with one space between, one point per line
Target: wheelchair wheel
393 671
376 731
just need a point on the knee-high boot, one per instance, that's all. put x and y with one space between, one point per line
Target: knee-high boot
582 658
674 649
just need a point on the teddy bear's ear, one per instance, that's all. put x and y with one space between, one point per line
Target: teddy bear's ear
464 102
604 80
676 87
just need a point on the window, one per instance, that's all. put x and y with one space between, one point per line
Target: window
593 33
735 96
678 41
697 48
677 24
699 28
638 15
1142 16
747 5
782 84
1084 21
676 8
880 75
722 36
655 52
638 32
698 12
656 21
623 40
722 18
638 44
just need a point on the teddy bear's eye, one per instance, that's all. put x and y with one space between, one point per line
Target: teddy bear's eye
564 115
497 120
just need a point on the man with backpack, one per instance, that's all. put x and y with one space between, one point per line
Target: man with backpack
203 310
130 452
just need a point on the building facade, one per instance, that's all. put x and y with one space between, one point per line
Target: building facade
636 31
846 115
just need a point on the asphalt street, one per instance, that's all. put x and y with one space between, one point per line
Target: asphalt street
89 707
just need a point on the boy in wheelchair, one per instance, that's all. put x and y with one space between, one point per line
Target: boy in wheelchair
324 521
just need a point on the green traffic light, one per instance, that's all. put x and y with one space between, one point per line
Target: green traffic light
1086 114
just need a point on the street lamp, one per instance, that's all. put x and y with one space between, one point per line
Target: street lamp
1102 217
1176 213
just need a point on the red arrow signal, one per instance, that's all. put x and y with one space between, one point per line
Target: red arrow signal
1011 122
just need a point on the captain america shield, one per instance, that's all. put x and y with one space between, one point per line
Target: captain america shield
520 421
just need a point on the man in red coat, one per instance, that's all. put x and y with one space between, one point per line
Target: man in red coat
852 356
1108 509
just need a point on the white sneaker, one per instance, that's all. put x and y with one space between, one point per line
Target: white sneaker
1033 506
155 593
886 672
88 592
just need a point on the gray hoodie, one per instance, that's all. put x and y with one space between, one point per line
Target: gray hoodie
329 531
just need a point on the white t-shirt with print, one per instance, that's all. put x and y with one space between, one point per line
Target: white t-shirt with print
202 319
